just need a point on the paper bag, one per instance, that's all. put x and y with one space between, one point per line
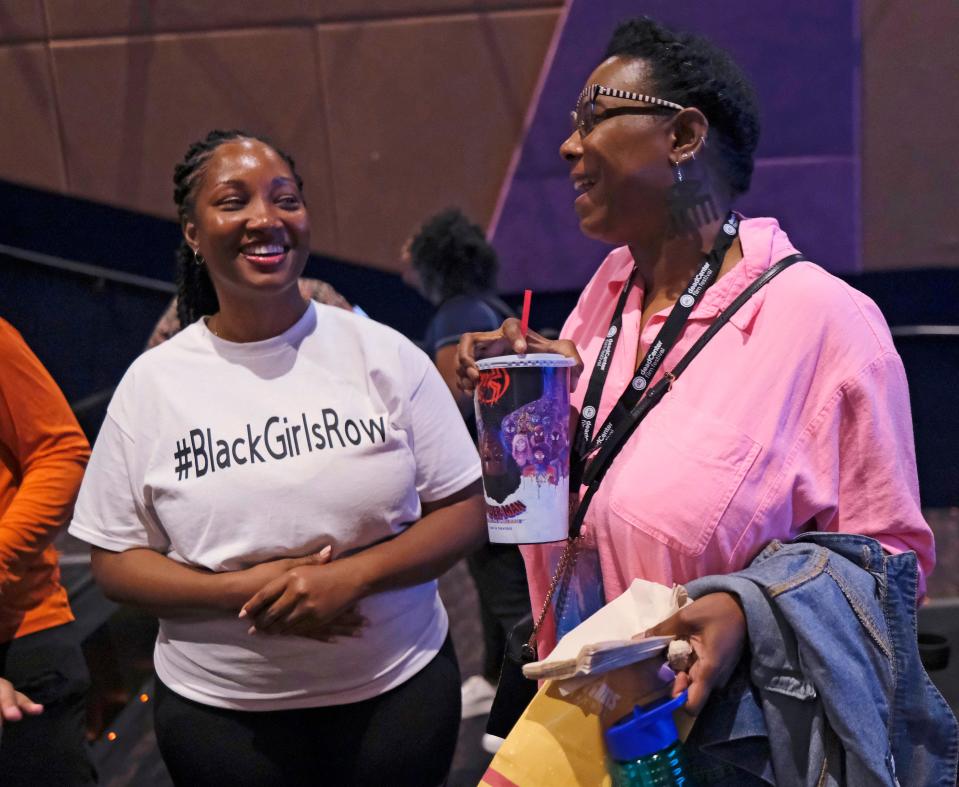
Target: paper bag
605 639
558 741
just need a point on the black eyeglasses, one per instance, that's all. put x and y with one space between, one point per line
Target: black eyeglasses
585 117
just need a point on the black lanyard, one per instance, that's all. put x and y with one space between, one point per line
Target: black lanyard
593 474
586 440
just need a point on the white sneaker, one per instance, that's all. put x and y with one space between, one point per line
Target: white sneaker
477 694
491 743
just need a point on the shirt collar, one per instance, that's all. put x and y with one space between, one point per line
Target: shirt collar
620 266
763 244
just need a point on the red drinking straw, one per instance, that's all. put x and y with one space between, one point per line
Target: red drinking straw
524 324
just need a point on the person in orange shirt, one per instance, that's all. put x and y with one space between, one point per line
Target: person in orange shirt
43 454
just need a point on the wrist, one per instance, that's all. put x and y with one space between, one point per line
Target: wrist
229 590
359 574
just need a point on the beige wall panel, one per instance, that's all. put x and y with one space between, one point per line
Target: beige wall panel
423 115
73 19
21 20
910 151
30 150
131 107
364 9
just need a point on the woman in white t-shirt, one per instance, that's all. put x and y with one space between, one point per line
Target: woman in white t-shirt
256 483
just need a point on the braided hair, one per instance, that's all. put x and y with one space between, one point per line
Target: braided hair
196 296
691 71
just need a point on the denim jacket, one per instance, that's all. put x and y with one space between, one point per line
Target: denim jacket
833 691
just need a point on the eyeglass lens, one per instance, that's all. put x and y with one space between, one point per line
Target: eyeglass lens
583 115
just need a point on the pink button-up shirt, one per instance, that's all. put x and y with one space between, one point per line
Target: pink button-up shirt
794 417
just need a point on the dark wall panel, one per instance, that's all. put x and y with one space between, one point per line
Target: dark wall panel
910 137
21 20
131 106
426 100
30 145
423 115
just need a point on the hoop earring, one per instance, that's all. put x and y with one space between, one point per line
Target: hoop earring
198 258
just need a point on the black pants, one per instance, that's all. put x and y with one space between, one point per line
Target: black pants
49 749
403 737
500 576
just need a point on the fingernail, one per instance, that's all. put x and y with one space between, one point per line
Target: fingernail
325 552
242 613
666 674
251 630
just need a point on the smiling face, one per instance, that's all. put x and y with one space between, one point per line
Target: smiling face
248 220
621 169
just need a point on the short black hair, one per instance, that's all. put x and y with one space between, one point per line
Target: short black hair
452 256
692 71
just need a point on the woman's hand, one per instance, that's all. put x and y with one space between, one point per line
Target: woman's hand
251 580
13 704
317 601
347 624
716 628
506 340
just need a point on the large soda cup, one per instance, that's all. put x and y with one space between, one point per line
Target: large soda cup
522 419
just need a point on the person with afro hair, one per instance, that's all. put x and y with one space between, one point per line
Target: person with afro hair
450 262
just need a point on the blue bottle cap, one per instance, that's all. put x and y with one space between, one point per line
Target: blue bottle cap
645 731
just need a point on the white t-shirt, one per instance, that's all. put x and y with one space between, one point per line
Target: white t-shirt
224 455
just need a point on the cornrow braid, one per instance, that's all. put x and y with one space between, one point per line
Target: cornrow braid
196 296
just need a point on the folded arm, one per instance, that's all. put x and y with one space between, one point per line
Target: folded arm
163 587
449 530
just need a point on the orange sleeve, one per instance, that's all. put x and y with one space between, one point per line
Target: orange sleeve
43 454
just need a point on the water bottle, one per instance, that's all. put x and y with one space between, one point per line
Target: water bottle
644 748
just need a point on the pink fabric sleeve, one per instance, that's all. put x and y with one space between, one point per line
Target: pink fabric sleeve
860 473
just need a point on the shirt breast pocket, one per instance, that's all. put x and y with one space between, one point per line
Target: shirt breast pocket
676 477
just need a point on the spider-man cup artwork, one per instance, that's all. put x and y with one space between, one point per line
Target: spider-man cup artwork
522 418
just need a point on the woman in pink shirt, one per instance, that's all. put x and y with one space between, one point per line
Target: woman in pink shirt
794 417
